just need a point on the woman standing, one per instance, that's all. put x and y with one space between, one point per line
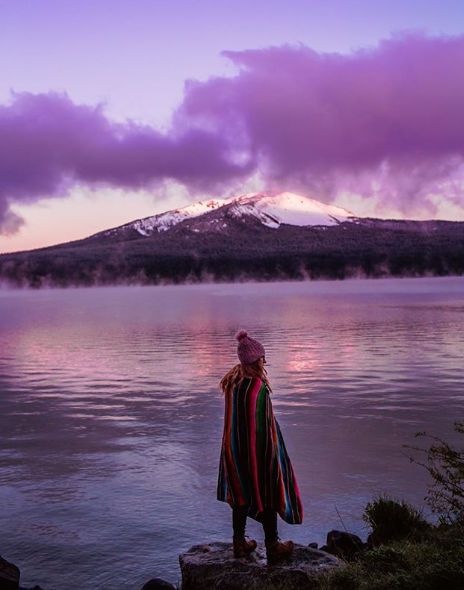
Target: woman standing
256 477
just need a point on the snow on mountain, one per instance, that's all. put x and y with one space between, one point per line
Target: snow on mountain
271 209
164 221
277 208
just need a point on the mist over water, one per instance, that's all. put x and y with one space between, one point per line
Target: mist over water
111 418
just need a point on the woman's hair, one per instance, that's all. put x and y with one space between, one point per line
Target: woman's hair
240 372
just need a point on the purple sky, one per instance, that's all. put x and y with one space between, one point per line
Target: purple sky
125 109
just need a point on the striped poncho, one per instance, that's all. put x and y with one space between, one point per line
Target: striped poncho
254 467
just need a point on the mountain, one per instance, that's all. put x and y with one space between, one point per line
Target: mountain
271 209
258 236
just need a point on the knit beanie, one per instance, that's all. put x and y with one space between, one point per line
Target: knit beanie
249 350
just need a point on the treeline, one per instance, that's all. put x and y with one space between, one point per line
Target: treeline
246 252
93 269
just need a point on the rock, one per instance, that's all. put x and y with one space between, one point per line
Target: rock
213 566
9 575
313 545
157 584
345 545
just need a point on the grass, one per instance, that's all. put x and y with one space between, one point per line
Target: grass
406 553
435 562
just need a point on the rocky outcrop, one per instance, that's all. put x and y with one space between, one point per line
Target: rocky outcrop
9 575
212 566
158 584
345 545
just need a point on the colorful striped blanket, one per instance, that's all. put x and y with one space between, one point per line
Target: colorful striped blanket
254 467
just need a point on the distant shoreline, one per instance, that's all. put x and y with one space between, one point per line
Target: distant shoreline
318 283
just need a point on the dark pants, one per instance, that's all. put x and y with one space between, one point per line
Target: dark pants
268 518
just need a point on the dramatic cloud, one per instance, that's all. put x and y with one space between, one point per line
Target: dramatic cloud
386 121
47 143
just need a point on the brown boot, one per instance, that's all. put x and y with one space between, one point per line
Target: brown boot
278 550
242 546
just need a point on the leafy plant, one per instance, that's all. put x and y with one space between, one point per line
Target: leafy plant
446 466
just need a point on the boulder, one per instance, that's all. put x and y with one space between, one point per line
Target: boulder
212 566
9 575
158 584
344 545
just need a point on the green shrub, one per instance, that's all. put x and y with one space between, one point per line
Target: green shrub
446 466
392 520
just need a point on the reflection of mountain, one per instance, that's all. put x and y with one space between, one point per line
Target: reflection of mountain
262 236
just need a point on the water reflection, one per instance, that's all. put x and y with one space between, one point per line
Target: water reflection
111 417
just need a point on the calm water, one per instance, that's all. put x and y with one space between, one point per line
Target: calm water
111 421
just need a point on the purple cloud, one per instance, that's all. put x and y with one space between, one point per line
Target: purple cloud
385 121
47 143
388 120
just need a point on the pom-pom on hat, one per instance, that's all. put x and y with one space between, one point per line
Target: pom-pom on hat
249 350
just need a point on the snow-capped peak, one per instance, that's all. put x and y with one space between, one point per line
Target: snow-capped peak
271 209
164 221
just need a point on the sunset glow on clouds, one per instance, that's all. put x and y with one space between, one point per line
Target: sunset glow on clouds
379 131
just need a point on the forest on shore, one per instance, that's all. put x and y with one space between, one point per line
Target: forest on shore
246 252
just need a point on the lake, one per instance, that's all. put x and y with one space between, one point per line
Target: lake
111 418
